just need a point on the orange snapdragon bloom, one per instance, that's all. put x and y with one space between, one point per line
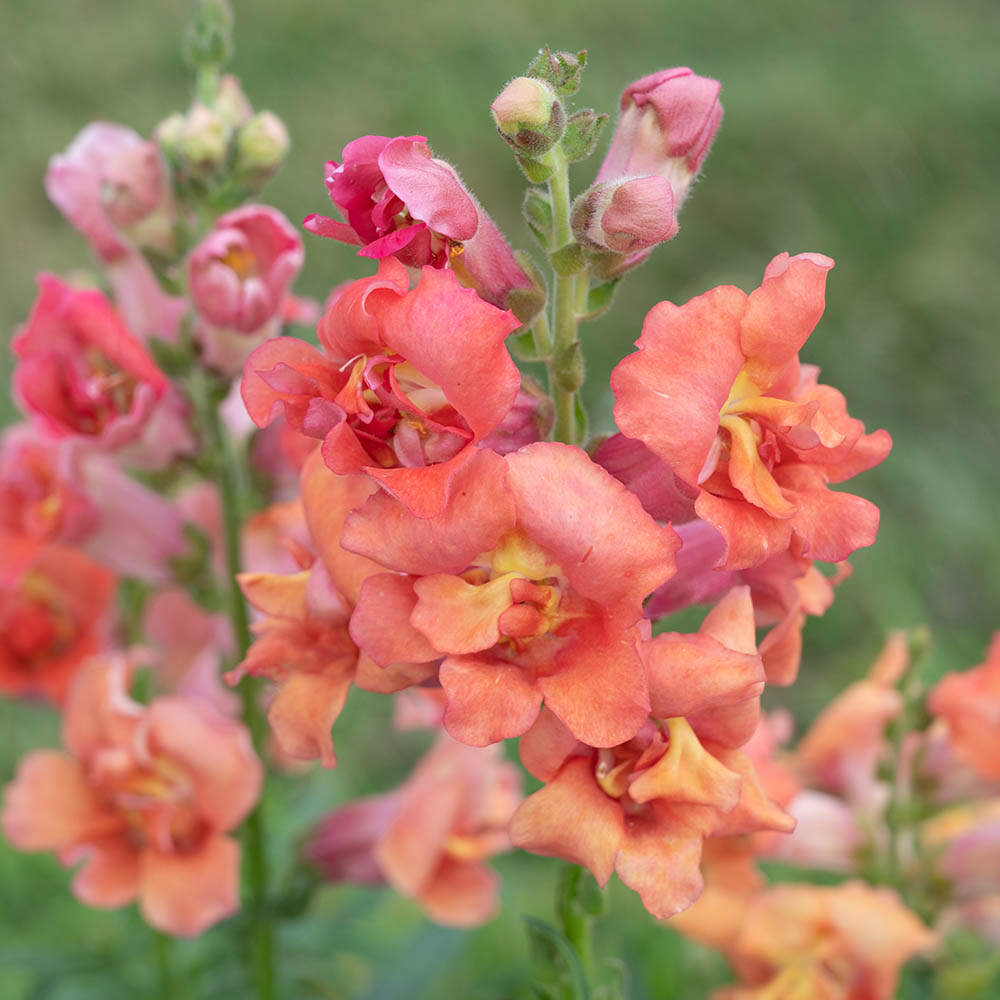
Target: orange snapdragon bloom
431 838
145 797
845 942
970 704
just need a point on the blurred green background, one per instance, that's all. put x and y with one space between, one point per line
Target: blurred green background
864 130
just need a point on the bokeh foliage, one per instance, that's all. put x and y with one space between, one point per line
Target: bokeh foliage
865 130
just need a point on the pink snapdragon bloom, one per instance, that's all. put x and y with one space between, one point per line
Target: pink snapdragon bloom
61 490
430 839
665 128
145 796
970 704
644 807
113 187
717 392
83 372
111 184
401 201
240 276
191 643
530 584
407 383
55 606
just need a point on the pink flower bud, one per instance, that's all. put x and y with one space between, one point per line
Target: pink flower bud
666 126
626 216
239 277
529 116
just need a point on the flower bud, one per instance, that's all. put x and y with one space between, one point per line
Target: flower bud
230 103
168 134
625 216
666 126
261 145
204 139
529 116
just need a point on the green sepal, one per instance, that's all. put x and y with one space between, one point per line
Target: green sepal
583 130
569 368
536 171
562 70
567 260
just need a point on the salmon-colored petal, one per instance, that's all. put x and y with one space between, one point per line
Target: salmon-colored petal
546 746
50 805
755 810
426 490
831 523
751 534
781 650
659 858
488 699
598 685
730 725
380 624
691 673
287 374
669 394
572 818
782 313
184 894
327 499
456 339
459 617
216 753
611 550
395 677
480 513
280 595
411 849
305 709
110 875
461 894
731 621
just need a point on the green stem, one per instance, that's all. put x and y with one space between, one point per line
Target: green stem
565 373
164 970
575 924
898 807
229 470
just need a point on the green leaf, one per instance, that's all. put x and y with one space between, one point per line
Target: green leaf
537 209
557 967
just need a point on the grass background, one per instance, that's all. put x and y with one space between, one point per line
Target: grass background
864 130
